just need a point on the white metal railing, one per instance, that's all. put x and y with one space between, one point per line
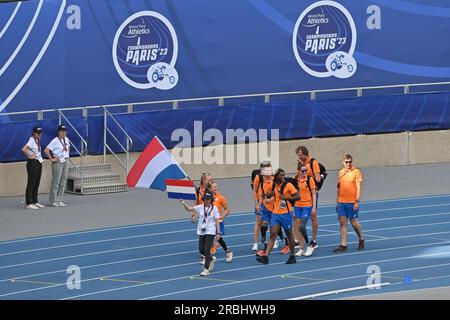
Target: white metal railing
126 149
83 148
359 91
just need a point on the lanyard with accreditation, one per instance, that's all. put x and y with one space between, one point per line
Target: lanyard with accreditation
64 144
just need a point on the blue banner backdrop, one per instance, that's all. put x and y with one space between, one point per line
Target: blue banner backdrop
72 53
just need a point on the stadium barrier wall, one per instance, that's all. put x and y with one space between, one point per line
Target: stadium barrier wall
294 119
394 149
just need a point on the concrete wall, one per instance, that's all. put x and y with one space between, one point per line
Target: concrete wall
372 150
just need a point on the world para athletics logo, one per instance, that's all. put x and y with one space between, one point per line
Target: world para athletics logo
145 51
324 40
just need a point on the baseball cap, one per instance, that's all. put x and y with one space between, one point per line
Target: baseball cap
62 127
37 129
208 195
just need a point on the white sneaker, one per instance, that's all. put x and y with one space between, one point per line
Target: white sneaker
275 245
54 204
202 262
204 273
32 206
211 264
310 249
61 204
300 253
37 204
229 257
255 247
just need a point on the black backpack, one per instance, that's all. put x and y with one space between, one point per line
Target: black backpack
323 173
257 172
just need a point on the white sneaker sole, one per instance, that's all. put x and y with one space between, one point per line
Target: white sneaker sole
310 251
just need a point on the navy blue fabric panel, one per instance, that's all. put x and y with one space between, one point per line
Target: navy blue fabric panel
14 135
294 119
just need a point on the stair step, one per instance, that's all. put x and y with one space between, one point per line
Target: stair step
91 169
95 179
100 188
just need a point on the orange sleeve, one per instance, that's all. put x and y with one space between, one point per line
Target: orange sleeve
291 189
312 183
256 183
316 167
358 176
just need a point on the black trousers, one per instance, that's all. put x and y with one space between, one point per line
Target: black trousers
205 243
34 171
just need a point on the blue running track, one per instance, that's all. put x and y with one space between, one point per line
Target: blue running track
408 239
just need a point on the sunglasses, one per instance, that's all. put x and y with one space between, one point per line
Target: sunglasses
348 161
304 170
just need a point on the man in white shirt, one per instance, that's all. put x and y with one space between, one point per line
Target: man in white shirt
58 151
208 228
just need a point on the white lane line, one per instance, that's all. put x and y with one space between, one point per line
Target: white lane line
224 271
401 291
184 220
335 292
22 41
392 271
245 268
38 58
276 276
228 226
194 240
196 251
10 19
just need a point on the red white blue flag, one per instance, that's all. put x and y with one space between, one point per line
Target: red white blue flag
153 167
181 189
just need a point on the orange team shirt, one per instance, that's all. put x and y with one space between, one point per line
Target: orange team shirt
267 187
200 195
280 205
305 193
315 167
347 184
219 201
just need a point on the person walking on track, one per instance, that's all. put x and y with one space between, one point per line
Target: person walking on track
205 183
313 168
58 151
222 205
304 207
283 192
208 228
32 151
347 202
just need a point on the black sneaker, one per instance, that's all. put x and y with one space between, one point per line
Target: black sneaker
340 249
361 245
291 260
263 259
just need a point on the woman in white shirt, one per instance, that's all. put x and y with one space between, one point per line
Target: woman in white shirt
58 152
207 229
32 151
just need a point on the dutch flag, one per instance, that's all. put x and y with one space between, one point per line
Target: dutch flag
153 167
181 189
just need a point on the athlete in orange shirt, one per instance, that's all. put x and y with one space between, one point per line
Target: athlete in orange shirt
347 202
205 183
282 217
304 207
222 205
313 171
